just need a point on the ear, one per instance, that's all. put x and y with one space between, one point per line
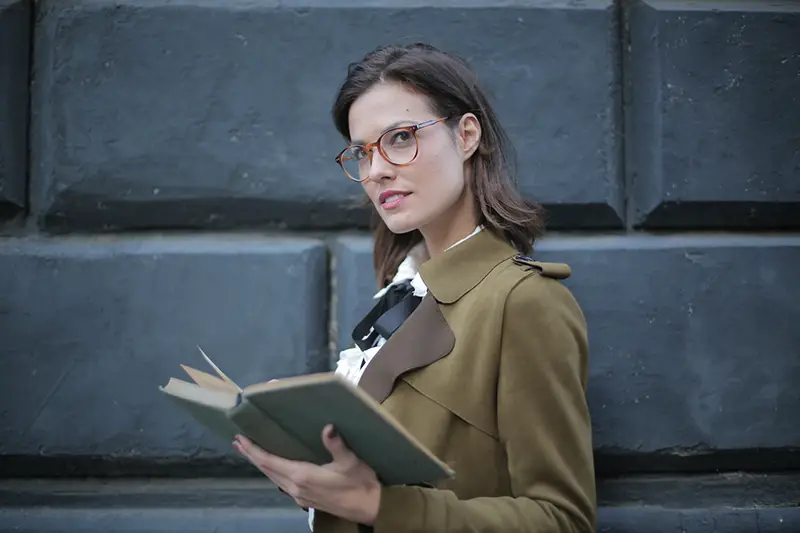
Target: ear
469 135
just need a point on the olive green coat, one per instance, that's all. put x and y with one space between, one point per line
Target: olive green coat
490 373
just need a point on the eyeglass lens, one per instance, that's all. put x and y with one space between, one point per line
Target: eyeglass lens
398 146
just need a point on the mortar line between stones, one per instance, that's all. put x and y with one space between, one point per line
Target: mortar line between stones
623 42
26 209
333 299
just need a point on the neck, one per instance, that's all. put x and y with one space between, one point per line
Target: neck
450 228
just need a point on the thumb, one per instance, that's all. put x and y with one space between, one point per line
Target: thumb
334 443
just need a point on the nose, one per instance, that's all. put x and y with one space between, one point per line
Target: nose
380 169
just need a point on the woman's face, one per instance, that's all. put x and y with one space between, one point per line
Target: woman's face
430 189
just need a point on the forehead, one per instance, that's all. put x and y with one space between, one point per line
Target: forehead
383 105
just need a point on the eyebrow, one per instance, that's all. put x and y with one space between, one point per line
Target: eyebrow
389 127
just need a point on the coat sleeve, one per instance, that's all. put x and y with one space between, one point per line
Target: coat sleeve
543 422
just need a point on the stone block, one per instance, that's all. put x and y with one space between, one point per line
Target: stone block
626 519
212 114
714 114
152 520
734 490
15 35
355 285
656 519
244 505
693 344
92 326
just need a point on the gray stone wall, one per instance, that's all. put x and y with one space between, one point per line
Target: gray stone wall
15 43
167 181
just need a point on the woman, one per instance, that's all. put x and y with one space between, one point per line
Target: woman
484 357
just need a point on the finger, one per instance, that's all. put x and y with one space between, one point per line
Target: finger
253 460
283 482
280 480
295 477
334 443
263 458
305 504
300 485
259 458
243 452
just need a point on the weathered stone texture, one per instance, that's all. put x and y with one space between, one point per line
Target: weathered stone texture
217 114
242 506
92 326
657 519
692 338
713 137
14 52
212 114
736 504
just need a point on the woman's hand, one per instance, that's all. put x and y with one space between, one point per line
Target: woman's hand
345 487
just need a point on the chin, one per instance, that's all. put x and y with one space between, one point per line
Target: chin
399 224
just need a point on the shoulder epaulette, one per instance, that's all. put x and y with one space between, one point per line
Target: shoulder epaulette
550 270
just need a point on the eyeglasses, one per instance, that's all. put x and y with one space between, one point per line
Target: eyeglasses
399 146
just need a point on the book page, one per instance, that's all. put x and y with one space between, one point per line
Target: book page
192 393
218 371
207 381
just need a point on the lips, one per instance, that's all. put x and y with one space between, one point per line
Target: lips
388 197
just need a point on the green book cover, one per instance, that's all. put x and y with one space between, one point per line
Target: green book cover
286 417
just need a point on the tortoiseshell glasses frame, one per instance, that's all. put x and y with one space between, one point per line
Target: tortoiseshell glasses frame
399 153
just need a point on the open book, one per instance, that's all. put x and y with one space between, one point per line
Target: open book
285 417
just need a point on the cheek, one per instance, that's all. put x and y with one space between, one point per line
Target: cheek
443 175
368 187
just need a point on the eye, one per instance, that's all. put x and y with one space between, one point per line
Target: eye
357 153
400 137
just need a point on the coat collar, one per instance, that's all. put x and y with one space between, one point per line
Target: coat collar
425 337
455 272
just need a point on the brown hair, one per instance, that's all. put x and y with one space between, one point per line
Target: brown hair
452 89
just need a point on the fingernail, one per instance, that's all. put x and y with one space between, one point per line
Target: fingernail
333 432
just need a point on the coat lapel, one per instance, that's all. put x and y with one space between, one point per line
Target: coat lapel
425 336
423 339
